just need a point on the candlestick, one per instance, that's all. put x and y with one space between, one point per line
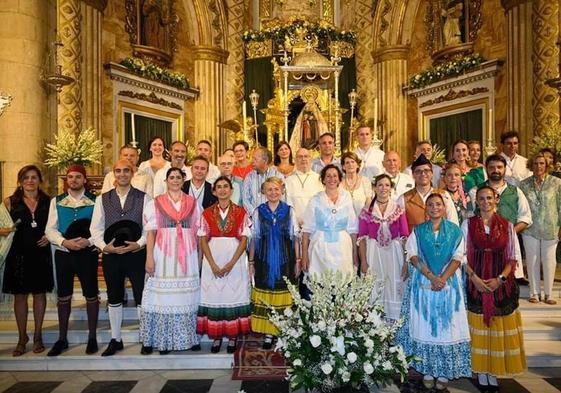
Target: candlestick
375 115
244 111
133 131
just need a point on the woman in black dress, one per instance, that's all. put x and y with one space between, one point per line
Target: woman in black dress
28 264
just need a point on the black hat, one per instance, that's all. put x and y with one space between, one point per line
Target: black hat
121 231
78 228
421 160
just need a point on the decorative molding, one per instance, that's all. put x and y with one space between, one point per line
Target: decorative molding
97 4
475 19
363 20
152 97
117 72
510 4
213 6
131 21
454 95
487 70
384 24
218 55
393 53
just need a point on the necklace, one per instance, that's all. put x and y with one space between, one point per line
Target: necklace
349 188
32 208
302 182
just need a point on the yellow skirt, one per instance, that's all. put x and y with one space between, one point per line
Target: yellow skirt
261 300
498 349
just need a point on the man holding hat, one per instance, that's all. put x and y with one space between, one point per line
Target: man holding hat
413 201
117 230
68 231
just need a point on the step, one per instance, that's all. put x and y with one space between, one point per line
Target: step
543 353
539 329
78 312
128 359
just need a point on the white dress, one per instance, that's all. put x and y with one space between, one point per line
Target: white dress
361 195
384 235
330 226
171 296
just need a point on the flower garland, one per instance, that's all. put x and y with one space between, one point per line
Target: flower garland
322 30
152 71
70 149
338 338
445 70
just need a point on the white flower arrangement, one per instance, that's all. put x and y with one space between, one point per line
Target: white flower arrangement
338 338
70 149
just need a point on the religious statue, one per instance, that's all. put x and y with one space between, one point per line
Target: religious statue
310 125
451 30
155 20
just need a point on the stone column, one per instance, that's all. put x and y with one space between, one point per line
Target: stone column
70 57
209 108
390 71
519 69
545 56
28 30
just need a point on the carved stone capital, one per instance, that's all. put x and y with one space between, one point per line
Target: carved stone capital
97 4
510 4
218 55
392 53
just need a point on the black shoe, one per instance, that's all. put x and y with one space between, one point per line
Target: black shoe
113 347
232 346
91 348
166 352
146 350
216 346
57 349
196 347
268 342
522 281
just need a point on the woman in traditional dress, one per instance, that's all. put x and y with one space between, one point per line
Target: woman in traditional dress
225 307
454 188
168 317
492 293
28 268
382 229
357 185
435 327
283 159
273 255
157 161
543 192
330 228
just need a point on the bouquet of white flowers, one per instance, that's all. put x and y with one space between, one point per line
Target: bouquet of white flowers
338 339
70 149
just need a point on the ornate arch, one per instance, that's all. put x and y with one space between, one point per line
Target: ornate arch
393 23
207 22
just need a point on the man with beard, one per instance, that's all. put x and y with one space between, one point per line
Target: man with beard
512 205
67 229
178 152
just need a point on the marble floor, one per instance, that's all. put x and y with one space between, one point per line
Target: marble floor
542 380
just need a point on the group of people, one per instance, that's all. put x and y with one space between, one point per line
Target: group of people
218 245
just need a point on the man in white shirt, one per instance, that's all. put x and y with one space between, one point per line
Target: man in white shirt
226 166
371 156
67 229
204 148
178 153
402 182
120 206
326 145
516 165
140 180
302 185
425 148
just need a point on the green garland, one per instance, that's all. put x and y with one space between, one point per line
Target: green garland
445 70
321 30
152 71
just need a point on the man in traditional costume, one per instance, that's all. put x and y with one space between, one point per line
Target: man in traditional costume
67 229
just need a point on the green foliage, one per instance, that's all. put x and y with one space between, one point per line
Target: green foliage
445 70
155 72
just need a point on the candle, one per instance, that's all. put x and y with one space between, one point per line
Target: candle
490 130
244 111
133 131
375 115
